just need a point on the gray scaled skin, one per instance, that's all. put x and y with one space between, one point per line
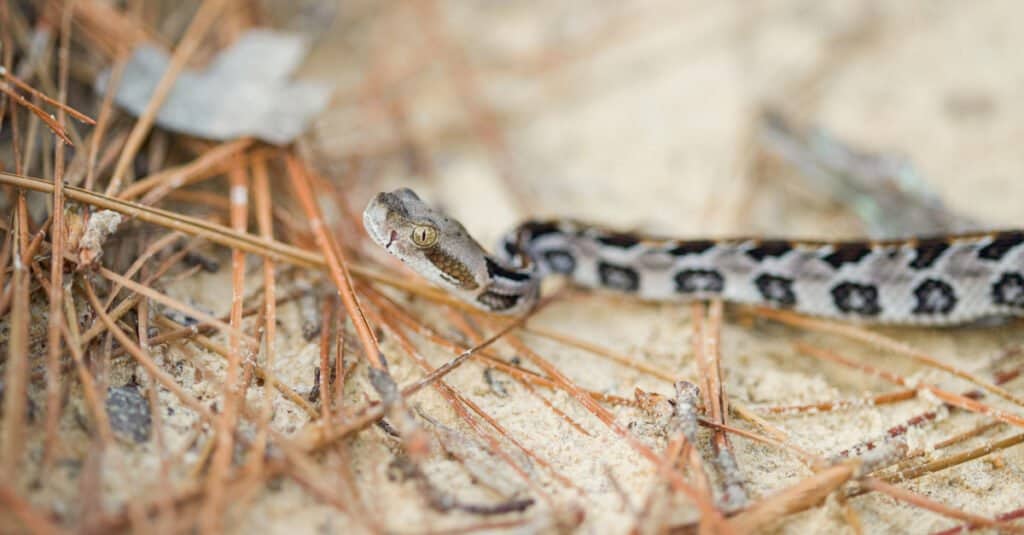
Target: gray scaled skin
438 248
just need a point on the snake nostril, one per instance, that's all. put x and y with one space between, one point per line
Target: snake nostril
391 239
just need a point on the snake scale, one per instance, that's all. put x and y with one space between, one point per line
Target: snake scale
943 280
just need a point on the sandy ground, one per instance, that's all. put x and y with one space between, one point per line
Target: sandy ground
649 127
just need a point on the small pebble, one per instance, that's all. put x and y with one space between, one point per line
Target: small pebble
128 412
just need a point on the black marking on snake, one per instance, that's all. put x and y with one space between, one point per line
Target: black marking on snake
1001 244
511 249
620 278
560 261
768 248
776 289
846 253
928 252
1009 290
690 281
856 298
497 301
620 240
537 229
934 297
691 247
493 269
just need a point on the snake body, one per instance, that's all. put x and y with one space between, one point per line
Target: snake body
942 280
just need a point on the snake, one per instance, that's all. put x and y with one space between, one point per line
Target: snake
943 280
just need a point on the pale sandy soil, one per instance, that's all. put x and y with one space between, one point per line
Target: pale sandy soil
649 127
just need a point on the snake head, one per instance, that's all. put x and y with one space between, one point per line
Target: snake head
431 243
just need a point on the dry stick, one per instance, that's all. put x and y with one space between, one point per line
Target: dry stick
340 372
51 123
161 376
827 406
524 377
327 320
957 400
211 515
148 253
335 260
212 163
878 340
129 302
175 304
708 357
35 521
708 509
165 511
917 420
262 372
918 500
807 457
104 120
625 360
319 434
803 495
956 459
414 439
5 258
108 158
60 104
468 330
204 18
476 338
263 220
459 403
964 528
89 388
16 372
55 315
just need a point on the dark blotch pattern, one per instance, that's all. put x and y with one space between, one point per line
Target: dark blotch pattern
622 241
776 290
560 261
855 298
496 301
1001 244
495 270
847 253
928 252
511 249
691 247
769 248
618 277
689 281
1009 290
934 297
536 229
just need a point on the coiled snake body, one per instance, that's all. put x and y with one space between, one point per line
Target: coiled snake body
944 280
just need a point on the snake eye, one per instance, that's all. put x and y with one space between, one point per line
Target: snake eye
424 235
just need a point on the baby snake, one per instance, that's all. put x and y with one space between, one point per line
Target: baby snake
942 280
